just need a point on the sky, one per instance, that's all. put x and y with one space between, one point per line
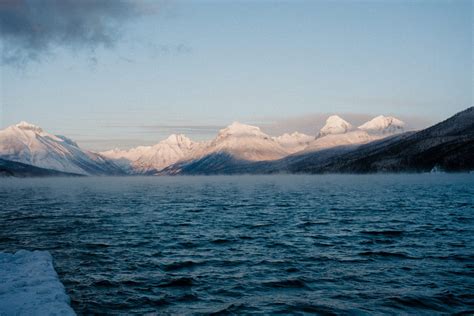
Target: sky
125 73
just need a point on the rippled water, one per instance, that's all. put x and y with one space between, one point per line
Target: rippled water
258 244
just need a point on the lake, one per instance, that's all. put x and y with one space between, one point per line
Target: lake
359 244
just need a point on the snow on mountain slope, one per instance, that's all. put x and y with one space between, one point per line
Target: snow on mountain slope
238 140
30 144
10 168
293 142
335 125
338 132
350 138
154 158
238 143
383 125
448 146
243 142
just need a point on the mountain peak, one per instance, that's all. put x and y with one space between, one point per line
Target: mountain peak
29 144
383 125
240 129
293 142
177 139
243 141
28 126
335 125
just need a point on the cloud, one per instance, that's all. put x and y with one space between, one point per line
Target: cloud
31 29
191 129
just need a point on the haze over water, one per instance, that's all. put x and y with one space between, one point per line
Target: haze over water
370 244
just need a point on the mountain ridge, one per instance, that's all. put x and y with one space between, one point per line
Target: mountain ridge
241 148
29 144
448 145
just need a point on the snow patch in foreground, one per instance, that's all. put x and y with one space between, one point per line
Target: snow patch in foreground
29 285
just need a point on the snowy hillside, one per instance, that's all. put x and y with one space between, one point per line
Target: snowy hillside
293 142
244 142
237 141
143 159
448 145
335 125
383 125
334 140
338 132
30 144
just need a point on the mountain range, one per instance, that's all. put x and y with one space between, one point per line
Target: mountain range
379 145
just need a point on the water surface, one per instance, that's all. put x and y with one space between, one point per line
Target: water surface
254 244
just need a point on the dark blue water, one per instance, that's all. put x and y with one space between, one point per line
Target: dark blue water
248 245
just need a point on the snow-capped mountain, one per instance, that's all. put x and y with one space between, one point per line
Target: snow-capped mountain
30 144
383 125
238 140
240 144
237 143
244 142
335 125
448 145
143 159
338 132
294 142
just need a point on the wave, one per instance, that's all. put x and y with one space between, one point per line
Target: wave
178 282
387 233
180 265
287 283
386 254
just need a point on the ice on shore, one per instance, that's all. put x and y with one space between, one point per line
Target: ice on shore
29 285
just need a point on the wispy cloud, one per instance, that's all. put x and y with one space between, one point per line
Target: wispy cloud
192 129
31 29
